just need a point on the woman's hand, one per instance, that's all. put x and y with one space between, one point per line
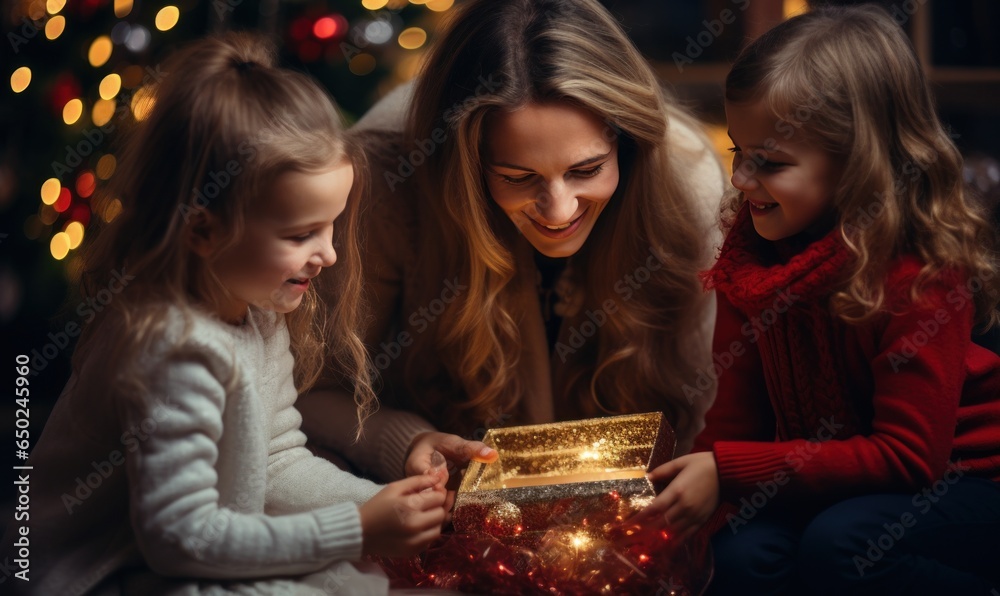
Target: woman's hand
456 451
690 498
404 517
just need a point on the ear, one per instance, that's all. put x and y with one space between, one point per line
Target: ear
202 232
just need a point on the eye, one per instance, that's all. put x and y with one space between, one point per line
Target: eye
734 150
517 181
588 173
302 237
772 165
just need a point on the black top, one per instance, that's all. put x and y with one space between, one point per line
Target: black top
549 271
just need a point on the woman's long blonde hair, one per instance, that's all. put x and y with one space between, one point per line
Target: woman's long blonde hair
501 55
849 80
221 102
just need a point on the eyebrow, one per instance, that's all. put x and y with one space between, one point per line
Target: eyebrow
775 149
578 164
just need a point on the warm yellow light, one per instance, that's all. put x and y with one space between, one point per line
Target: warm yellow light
54 6
374 4
106 166
122 8
142 103
440 5
110 86
100 51
412 38
55 27
112 210
104 110
50 191
418 1
794 7
59 246
74 230
47 214
20 79
167 18
72 111
362 64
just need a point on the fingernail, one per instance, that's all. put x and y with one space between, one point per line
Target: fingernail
485 451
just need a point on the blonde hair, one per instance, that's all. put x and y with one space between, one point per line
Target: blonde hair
222 101
849 80
501 55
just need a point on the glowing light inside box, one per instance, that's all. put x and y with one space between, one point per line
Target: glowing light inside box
580 473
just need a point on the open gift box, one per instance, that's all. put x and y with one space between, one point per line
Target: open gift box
583 474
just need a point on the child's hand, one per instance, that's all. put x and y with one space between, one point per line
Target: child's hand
404 517
690 498
455 449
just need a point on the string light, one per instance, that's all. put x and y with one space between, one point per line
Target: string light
142 103
50 191
103 111
123 8
20 79
106 166
440 5
72 111
100 51
55 27
110 86
74 230
59 246
412 38
167 18
362 64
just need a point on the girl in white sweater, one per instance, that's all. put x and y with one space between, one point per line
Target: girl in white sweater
173 461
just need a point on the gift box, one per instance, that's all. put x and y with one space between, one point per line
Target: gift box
546 518
583 474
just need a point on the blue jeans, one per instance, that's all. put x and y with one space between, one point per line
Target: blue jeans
944 540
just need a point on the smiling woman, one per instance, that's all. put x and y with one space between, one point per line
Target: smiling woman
569 201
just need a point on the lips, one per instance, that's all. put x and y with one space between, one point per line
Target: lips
759 206
561 230
304 282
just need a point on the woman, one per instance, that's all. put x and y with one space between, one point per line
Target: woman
533 242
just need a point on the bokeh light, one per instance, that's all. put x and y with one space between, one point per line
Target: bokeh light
374 4
55 27
110 86
54 6
362 64
123 8
167 18
325 28
142 103
103 111
64 201
72 111
100 51
412 38
59 246
50 191
106 166
20 79
74 230
440 5
86 183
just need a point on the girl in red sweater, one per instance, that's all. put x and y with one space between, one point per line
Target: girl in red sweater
854 445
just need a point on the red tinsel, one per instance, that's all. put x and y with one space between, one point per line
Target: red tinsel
562 561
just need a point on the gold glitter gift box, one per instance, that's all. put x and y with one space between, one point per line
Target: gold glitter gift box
583 474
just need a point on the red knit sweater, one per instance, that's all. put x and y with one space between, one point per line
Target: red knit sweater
824 410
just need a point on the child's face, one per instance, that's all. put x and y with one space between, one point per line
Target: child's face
788 181
287 241
552 168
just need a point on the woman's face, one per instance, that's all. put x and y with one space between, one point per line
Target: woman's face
552 168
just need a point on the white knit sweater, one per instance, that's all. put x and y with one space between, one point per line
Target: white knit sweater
200 479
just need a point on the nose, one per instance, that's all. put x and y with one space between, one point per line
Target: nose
743 175
556 204
325 255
